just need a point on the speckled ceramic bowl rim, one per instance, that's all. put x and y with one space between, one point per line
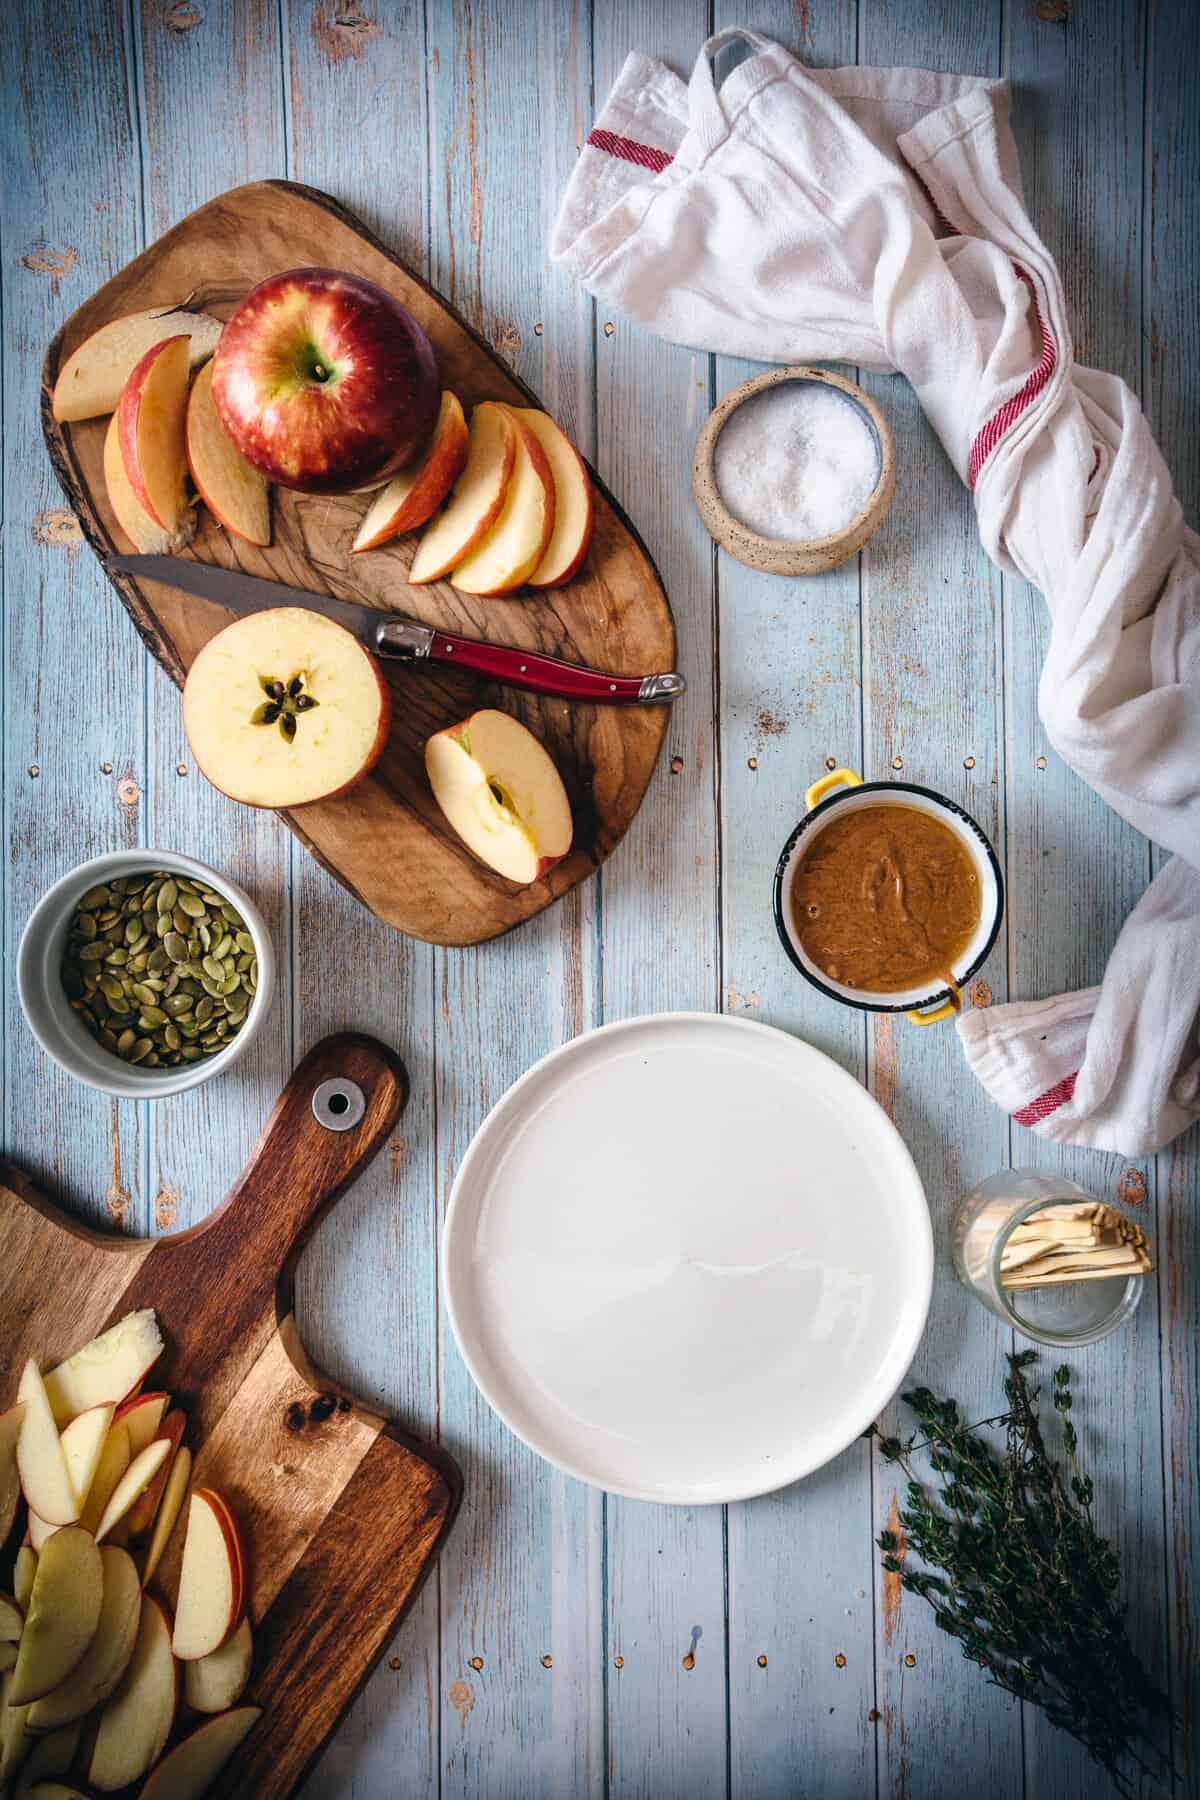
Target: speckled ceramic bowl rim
861 527
55 1026
788 855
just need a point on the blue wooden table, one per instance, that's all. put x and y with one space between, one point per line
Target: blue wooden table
571 1643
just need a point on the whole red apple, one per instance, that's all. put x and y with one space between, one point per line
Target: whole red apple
324 381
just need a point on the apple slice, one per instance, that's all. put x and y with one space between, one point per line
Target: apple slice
499 790
141 1416
235 494
50 1756
10 1475
133 1483
194 1763
40 1460
218 1680
54 1790
169 1510
106 1658
284 707
90 381
24 1570
110 1367
573 502
151 430
137 1720
39 1530
83 1445
478 494
516 543
12 1620
210 1578
147 537
413 496
64 1610
142 1512
115 1458
15 1741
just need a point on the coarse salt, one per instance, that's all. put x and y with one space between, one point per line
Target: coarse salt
797 461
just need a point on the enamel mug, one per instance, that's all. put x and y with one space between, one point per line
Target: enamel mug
826 799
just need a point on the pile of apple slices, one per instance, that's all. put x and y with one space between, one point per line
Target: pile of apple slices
90 1657
520 513
164 427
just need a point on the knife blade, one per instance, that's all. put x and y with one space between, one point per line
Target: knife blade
396 637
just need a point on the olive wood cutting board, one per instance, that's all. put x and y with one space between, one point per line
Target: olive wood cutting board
341 1512
386 839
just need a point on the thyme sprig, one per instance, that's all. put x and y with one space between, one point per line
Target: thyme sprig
1027 1585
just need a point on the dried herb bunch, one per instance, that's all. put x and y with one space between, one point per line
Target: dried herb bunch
1027 1585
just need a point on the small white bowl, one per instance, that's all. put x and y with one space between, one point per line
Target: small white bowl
49 1013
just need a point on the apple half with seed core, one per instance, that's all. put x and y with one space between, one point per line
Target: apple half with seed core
284 707
478 494
151 430
414 495
510 552
90 381
235 494
499 789
573 502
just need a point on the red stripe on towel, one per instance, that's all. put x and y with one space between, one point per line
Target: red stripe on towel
629 150
1049 1102
1011 411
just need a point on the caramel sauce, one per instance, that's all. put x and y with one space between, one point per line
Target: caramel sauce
886 898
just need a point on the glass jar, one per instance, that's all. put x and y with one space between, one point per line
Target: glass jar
1063 1314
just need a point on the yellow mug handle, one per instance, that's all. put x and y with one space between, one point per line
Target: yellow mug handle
946 1010
835 778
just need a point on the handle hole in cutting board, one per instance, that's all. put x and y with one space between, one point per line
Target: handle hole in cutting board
338 1104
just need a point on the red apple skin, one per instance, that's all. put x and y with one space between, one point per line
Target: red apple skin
576 563
141 1513
127 424
324 381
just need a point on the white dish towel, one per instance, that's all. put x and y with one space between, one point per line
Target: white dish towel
875 216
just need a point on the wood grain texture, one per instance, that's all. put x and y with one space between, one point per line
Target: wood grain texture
667 1709
450 127
523 1578
801 1674
340 1512
387 840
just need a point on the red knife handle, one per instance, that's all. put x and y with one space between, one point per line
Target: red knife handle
550 675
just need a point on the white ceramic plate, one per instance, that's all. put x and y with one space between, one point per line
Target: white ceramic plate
687 1258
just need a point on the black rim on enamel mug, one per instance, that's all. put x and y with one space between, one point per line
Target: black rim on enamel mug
840 788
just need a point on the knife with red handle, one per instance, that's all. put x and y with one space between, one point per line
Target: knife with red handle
397 638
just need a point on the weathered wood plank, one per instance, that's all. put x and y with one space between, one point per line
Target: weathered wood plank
932 698
207 94
666 1588
74 768
1171 397
354 99
520 1680
801 1675
1077 870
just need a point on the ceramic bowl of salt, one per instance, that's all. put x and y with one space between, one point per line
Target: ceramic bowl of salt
794 471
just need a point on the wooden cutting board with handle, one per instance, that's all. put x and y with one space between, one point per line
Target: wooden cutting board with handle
341 1511
386 840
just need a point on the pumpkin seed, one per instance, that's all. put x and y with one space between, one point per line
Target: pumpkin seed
172 953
